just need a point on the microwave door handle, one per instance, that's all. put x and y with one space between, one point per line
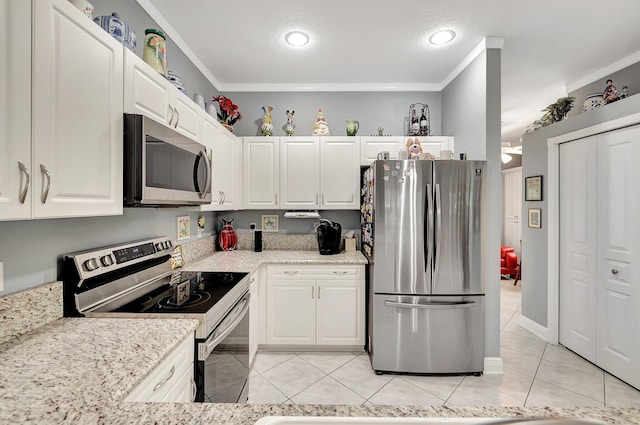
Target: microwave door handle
207 186
208 346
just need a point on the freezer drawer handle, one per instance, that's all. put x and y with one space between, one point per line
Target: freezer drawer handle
434 305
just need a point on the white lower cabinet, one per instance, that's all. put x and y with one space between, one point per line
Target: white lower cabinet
315 305
171 381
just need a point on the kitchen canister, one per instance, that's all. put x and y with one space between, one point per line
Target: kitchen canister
155 53
593 101
118 29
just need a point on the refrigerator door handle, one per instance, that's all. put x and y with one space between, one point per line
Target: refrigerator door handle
428 229
432 305
438 231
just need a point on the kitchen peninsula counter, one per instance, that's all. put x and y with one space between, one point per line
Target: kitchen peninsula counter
79 370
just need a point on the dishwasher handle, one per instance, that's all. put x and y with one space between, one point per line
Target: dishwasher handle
239 311
432 305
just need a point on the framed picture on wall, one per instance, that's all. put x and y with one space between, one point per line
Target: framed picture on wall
270 223
533 188
534 218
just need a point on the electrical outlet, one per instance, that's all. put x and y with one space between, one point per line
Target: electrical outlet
1 277
252 226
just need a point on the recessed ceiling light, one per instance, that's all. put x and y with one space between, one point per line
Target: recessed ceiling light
296 38
439 38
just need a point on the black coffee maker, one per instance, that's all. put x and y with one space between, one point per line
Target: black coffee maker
329 237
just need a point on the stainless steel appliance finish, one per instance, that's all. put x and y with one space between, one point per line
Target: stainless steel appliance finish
422 233
136 280
162 167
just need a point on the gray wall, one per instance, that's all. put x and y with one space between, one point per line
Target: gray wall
464 109
131 13
372 109
629 76
349 220
476 127
535 241
30 249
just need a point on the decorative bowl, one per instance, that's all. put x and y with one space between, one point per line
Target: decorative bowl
593 101
118 29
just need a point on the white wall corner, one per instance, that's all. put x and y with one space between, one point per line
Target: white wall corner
493 366
534 327
486 43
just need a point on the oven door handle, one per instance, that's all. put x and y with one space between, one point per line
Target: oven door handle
205 349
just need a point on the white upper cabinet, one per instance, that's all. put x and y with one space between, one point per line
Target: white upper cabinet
261 172
300 172
70 160
149 93
15 110
339 173
371 146
431 144
226 166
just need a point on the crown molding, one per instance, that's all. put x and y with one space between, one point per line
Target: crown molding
486 43
604 72
330 87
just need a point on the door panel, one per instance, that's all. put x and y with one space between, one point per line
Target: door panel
401 191
458 236
340 312
577 247
291 317
428 334
618 295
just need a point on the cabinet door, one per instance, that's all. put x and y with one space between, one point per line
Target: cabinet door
146 91
187 120
291 309
618 252
300 172
232 188
261 170
370 147
340 312
77 114
339 173
15 109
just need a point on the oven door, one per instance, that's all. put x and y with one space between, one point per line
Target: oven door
222 366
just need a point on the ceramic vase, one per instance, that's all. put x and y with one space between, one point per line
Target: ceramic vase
118 29
267 123
227 126
155 53
352 127
593 101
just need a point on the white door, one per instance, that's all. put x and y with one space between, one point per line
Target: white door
77 114
225 168
261 170
578 183
512 195
339 173
15 109
291 317
300 172
188 115
618 209
340 312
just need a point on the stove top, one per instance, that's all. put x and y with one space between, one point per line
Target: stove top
188 293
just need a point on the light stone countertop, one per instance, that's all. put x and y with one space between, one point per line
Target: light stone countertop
249 261
79 370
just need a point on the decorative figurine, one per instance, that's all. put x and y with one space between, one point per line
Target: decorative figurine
624 93
352 127
610 93
290 127
267 123
321 126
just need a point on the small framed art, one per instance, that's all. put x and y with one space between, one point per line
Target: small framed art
534 218
533 188
183 227
270 223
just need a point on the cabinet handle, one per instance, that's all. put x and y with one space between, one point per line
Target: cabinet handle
194 389
614 271
224 197
164 381
318 292
276 198
45 192
290 272
316 199
23 193
341 273
323 199
219 197
312 292
177 117
170 113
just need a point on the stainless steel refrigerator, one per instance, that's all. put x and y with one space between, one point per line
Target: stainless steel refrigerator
422 234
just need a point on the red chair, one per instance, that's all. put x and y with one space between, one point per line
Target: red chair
509 264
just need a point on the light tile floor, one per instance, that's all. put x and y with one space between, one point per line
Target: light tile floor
535 374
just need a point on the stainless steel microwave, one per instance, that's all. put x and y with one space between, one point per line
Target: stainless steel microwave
162 167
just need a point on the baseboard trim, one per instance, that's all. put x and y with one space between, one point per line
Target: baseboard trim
534 327
493 366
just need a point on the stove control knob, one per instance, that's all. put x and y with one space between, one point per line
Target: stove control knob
167 244
159 246
91 264
106 260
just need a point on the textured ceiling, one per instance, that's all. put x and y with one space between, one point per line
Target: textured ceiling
548 45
